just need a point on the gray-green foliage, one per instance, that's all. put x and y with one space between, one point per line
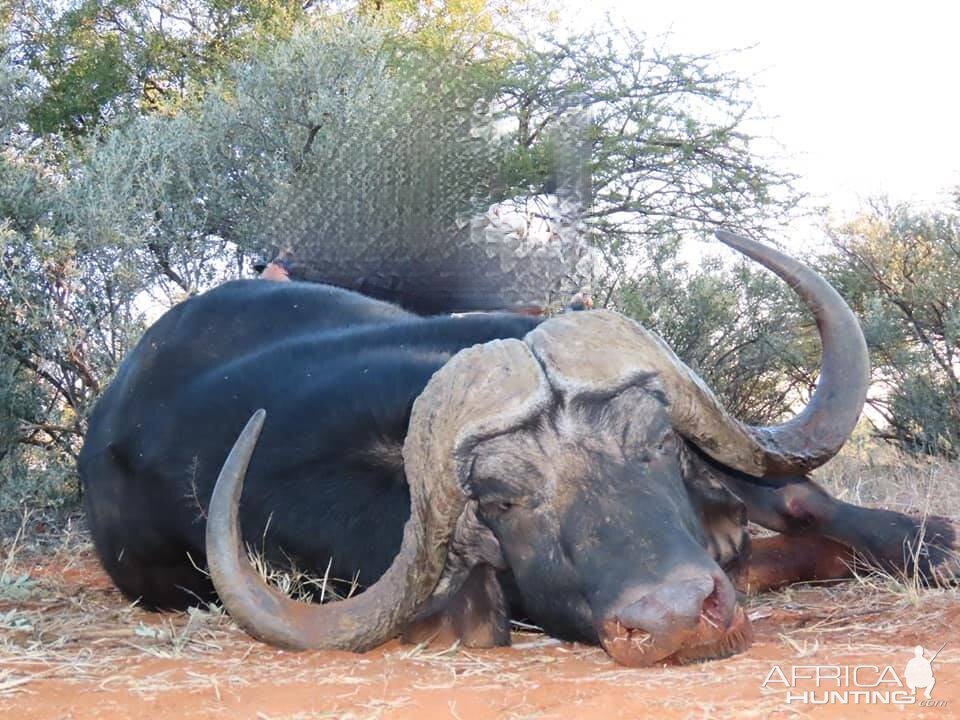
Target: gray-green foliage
67 320
62 324
16 92
900 269
348 133
364 141
338 135
669 155
740 327
153 193
96 60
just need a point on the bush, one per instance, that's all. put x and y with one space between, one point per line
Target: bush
349 132
899 267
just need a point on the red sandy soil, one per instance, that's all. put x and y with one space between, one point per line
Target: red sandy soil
75 649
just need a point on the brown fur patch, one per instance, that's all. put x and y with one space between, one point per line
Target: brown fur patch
783 560
476 615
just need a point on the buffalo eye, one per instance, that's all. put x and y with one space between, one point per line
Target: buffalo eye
492 508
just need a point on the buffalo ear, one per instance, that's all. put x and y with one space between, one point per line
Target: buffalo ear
468 605
473 544
481 392
723 515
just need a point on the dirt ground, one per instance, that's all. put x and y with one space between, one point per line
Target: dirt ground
71 647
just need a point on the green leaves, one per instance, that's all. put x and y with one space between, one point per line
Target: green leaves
154 149
900 269
99 60
78 96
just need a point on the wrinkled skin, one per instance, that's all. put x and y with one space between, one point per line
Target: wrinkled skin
611 529
602 534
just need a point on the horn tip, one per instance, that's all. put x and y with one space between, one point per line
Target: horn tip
727 237
256 420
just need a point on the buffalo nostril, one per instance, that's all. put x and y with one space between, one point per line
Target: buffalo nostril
681 605
649 615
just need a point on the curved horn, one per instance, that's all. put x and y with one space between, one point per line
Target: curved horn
480 392
820 430
603 352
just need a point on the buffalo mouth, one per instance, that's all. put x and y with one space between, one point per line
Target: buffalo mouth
712 638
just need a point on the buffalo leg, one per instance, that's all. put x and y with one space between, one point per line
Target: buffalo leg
782 560
886 540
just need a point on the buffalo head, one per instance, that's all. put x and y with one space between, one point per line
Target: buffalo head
570 458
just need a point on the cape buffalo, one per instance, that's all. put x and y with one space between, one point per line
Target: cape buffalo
572 471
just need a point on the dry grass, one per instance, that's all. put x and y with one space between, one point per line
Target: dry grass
45 631
58 621
882 477
872 476
302 585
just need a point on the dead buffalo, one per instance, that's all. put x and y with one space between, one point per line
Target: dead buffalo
468 469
